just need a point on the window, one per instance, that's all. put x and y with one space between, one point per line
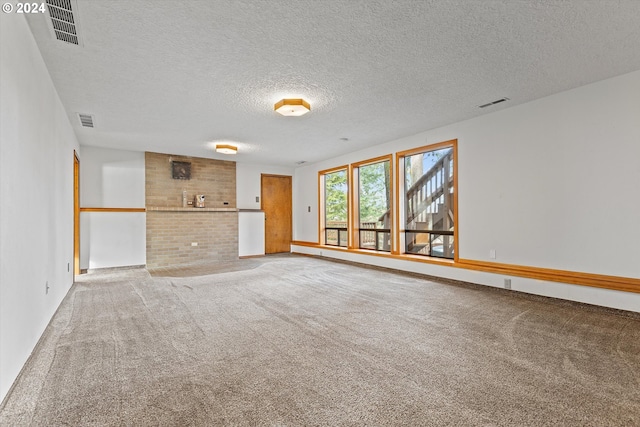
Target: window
335 207
429 200
406 207
373 205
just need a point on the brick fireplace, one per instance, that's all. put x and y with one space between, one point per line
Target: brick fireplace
178 235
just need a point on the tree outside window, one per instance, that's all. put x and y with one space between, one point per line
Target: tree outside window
335 207
374 205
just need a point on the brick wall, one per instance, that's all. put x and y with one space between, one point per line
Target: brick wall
171 233
216 179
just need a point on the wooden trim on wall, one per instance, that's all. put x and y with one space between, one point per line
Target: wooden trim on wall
395 250
430 147
336 169
616 283
320 207
76 214
456 190
378 159
393 235
113 209
276 175
350 204
309 244
354 208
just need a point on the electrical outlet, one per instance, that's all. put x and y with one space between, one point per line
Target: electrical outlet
194 243
257 199
492 253
507 283
308 208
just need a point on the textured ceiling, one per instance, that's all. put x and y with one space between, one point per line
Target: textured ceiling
171 76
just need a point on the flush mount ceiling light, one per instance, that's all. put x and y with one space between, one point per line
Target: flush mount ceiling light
226 149
292 107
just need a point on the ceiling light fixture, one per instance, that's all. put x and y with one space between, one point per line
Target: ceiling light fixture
226 149
292 107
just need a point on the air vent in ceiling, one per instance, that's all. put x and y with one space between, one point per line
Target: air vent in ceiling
86 120
497 101
64 24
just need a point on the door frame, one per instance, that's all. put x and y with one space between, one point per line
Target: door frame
76 214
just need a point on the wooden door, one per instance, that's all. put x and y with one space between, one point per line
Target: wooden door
277 207
76 214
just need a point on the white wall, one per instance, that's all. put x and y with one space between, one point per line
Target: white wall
248 182
250 233
551 183
112 179
36 197
112 239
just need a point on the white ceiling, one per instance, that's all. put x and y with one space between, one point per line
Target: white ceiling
171 76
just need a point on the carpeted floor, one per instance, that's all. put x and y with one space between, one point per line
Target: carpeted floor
299 341
205 269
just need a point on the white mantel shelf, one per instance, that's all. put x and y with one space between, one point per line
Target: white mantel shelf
180 209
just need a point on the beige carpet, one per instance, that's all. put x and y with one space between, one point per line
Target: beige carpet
204 269
298 341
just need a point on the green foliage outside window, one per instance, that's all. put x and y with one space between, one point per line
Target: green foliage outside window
335 185
374 193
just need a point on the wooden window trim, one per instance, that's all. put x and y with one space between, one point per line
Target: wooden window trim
355 221
400 155
321 201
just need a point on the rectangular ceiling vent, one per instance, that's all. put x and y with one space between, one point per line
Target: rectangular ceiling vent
86 120
64 24
497 101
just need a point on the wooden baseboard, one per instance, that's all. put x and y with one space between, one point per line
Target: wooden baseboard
617 283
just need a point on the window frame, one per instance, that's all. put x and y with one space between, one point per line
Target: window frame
398 210
355 191
322 211
401 210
